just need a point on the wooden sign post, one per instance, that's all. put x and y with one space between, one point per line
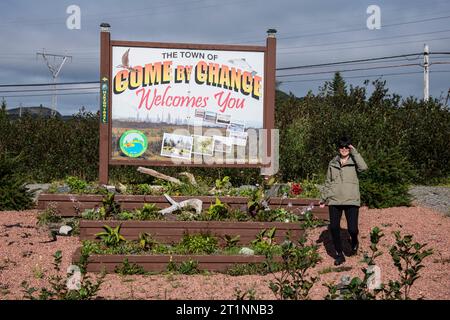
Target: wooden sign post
152 91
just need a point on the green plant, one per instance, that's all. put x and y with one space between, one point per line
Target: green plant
148 212
188 267
249 294
251 268
76 185
198 244
386 183
294 281
357 289
127 268
125 215
309 221
144 188
13 194
230 241
223 184
146 241
49 215
58 286
259 200
217 211
407 257
265 241
111 237
238 215
91 214
185 267
110 206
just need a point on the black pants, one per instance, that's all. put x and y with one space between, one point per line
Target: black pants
351 214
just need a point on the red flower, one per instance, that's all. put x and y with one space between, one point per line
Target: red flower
296 189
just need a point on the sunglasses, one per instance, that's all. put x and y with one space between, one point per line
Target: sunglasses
344 147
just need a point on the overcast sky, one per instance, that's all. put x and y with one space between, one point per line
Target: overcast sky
309 32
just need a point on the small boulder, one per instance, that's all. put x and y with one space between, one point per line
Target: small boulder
247 251
65 230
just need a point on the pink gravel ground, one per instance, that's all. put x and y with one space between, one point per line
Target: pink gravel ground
23 256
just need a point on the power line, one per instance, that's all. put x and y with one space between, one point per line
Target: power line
350 70
366 76
47 84
370 46
365 40
50 94
43 90
363 29
353 30
349 61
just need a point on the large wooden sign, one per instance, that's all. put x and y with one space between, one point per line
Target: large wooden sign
168 104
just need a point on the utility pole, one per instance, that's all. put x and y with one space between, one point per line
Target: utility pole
426 73
55 69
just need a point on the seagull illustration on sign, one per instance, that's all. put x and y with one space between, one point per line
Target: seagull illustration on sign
243 64
126 61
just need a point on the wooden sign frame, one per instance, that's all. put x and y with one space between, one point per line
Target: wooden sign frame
106 45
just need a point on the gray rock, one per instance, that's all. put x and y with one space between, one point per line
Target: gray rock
157 188
63 189
65 230
436 198
247 251
374 280
247 187
110 188
121 188
37 188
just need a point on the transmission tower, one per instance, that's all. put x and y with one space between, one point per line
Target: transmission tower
54 67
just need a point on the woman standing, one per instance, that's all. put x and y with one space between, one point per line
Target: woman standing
341 193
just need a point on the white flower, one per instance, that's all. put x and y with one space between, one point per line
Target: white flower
289 204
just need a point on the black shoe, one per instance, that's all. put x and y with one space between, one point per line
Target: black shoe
355 249
340 259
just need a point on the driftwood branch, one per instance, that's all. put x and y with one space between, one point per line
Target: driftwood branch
158 175
190 176
175 206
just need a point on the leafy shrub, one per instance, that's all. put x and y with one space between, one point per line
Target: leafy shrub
230 241
217 211
386 182
110 206
198 244
146 241
148 212
13 194
76 185
264 242
407 257
49 215
127 268
111 237
294 282
185 267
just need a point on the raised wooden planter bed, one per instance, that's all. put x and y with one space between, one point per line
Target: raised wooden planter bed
158 263
69 205
172 231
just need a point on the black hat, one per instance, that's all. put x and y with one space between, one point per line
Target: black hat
344 141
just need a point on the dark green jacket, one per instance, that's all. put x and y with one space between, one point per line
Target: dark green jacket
342 185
